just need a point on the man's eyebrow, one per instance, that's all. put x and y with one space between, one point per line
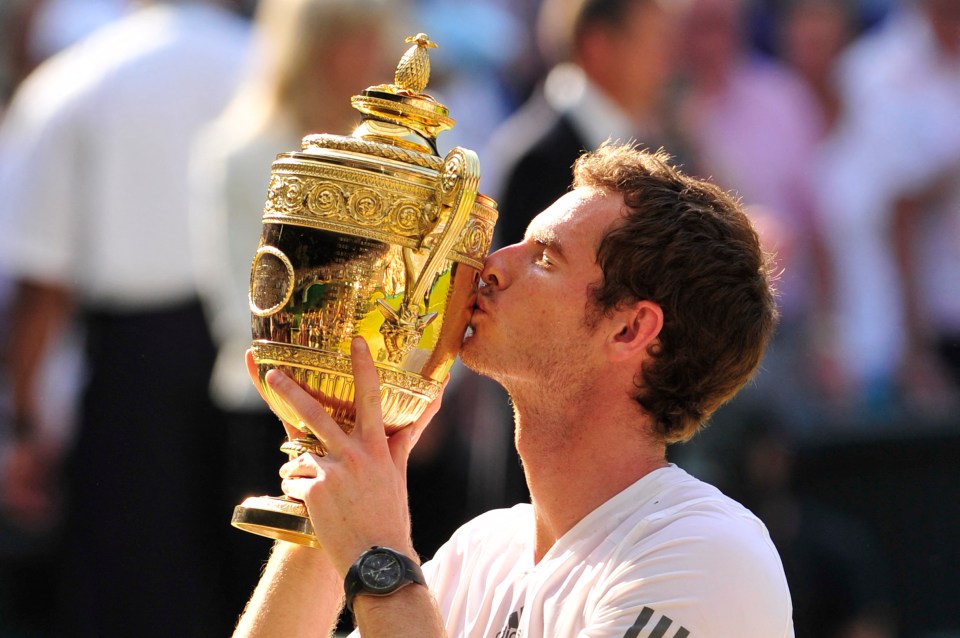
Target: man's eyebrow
547 238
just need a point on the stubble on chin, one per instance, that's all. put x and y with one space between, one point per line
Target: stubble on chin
469 355
475 358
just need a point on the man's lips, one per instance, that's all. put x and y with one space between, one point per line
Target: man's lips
477 310
480 304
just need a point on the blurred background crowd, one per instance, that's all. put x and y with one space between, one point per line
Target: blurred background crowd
135 148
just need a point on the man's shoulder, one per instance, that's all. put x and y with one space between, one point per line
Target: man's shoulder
535 175
508 518
558 143
674 504
534 135
686 543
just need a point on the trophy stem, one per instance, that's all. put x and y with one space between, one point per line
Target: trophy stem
281 517
301 445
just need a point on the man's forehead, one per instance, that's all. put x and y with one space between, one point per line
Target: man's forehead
542 228
579 207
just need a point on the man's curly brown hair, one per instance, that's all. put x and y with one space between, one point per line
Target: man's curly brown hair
688 246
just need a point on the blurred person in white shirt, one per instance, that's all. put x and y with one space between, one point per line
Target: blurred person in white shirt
94 155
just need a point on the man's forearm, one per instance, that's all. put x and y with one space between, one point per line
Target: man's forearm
38 313
299 594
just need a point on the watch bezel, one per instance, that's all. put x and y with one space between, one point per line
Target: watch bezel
372 586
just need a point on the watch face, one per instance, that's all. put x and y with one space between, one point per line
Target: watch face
380 572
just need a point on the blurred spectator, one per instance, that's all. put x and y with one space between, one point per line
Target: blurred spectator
926 221
766 18
890 198
753 127
312 56
33 30
811 36
613 64
58 24
15 16
93 175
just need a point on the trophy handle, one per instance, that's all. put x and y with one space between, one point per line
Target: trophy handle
459 179
459 183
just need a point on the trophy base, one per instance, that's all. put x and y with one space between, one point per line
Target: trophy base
275 517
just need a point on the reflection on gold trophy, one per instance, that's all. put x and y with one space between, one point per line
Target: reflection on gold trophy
372 234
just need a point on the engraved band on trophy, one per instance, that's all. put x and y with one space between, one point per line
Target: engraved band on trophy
372 234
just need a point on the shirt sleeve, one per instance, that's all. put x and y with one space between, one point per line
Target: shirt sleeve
41 179
699 577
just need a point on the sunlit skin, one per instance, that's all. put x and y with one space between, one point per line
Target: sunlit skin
530 333
529 322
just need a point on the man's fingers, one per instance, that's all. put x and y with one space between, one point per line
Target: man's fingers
366 391
310 413
254 373
304 466
369 416
297 488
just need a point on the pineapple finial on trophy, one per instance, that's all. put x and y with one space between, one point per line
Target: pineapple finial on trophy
400 114
413 70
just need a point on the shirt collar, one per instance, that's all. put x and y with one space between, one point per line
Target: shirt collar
594 115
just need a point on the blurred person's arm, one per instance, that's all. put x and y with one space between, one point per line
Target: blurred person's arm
923 374
828 369
38 314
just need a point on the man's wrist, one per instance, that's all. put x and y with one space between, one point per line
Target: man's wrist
380 571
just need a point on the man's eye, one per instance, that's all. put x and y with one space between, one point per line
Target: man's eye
544 260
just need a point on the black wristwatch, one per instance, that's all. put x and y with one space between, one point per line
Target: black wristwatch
380 571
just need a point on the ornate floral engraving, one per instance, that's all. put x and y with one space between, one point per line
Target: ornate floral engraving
326 199
278 354
450 173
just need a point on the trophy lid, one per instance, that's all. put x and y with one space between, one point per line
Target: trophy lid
387 175
401 114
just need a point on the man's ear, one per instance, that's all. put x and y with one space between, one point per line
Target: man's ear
636 327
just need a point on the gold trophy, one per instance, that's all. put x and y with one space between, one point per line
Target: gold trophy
372 234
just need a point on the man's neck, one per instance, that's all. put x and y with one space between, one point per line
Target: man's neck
578 457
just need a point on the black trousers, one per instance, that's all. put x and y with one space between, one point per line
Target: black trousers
144 524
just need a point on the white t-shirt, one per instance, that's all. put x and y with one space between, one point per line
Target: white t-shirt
94 155
669 557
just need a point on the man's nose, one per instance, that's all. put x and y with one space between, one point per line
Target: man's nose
500 266
494 268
